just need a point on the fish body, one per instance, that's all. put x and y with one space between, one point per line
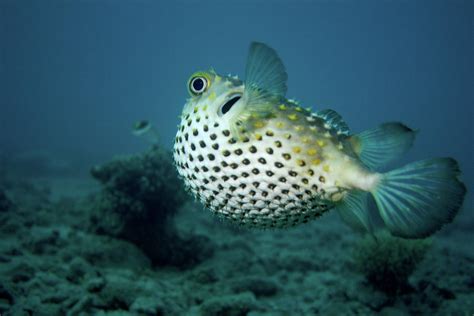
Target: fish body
261 160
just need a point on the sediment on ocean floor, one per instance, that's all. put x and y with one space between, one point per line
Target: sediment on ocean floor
54 262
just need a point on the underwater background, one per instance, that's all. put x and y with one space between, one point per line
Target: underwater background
94 221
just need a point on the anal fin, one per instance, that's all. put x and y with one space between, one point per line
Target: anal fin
354 211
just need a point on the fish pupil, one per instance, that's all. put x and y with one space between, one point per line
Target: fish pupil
228 105
198 84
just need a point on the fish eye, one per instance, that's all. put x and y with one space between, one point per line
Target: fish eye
198 85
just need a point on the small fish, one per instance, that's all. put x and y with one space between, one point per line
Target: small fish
261 160
145 129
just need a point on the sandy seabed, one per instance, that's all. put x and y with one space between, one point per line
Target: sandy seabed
51 264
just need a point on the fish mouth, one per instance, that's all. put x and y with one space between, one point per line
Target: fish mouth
230 103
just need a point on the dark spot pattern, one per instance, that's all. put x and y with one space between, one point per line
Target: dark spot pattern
221 173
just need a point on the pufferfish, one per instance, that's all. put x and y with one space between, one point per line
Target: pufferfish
253 156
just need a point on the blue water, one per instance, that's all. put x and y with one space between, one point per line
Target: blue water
75 75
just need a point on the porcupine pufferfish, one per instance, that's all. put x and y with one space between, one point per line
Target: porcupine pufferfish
253 156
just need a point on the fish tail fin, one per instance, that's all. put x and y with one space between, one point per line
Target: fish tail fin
416 200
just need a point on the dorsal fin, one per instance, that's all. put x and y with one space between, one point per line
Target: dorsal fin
333 118
379 146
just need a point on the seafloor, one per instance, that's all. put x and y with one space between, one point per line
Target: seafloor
55 260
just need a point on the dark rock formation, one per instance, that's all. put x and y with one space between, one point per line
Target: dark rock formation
5 203
140 196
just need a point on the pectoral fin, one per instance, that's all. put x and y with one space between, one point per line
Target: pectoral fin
265 87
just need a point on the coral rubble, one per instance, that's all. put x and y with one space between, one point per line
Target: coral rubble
387 261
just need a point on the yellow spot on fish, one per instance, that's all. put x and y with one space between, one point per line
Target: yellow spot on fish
212 96
312 151
282 107
280 124
287 135
258 136
293 117
204 108
298 109
296 149
313 128
258 124
315 162
305 140
217 79
299 128
321 143
196 109
326 168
